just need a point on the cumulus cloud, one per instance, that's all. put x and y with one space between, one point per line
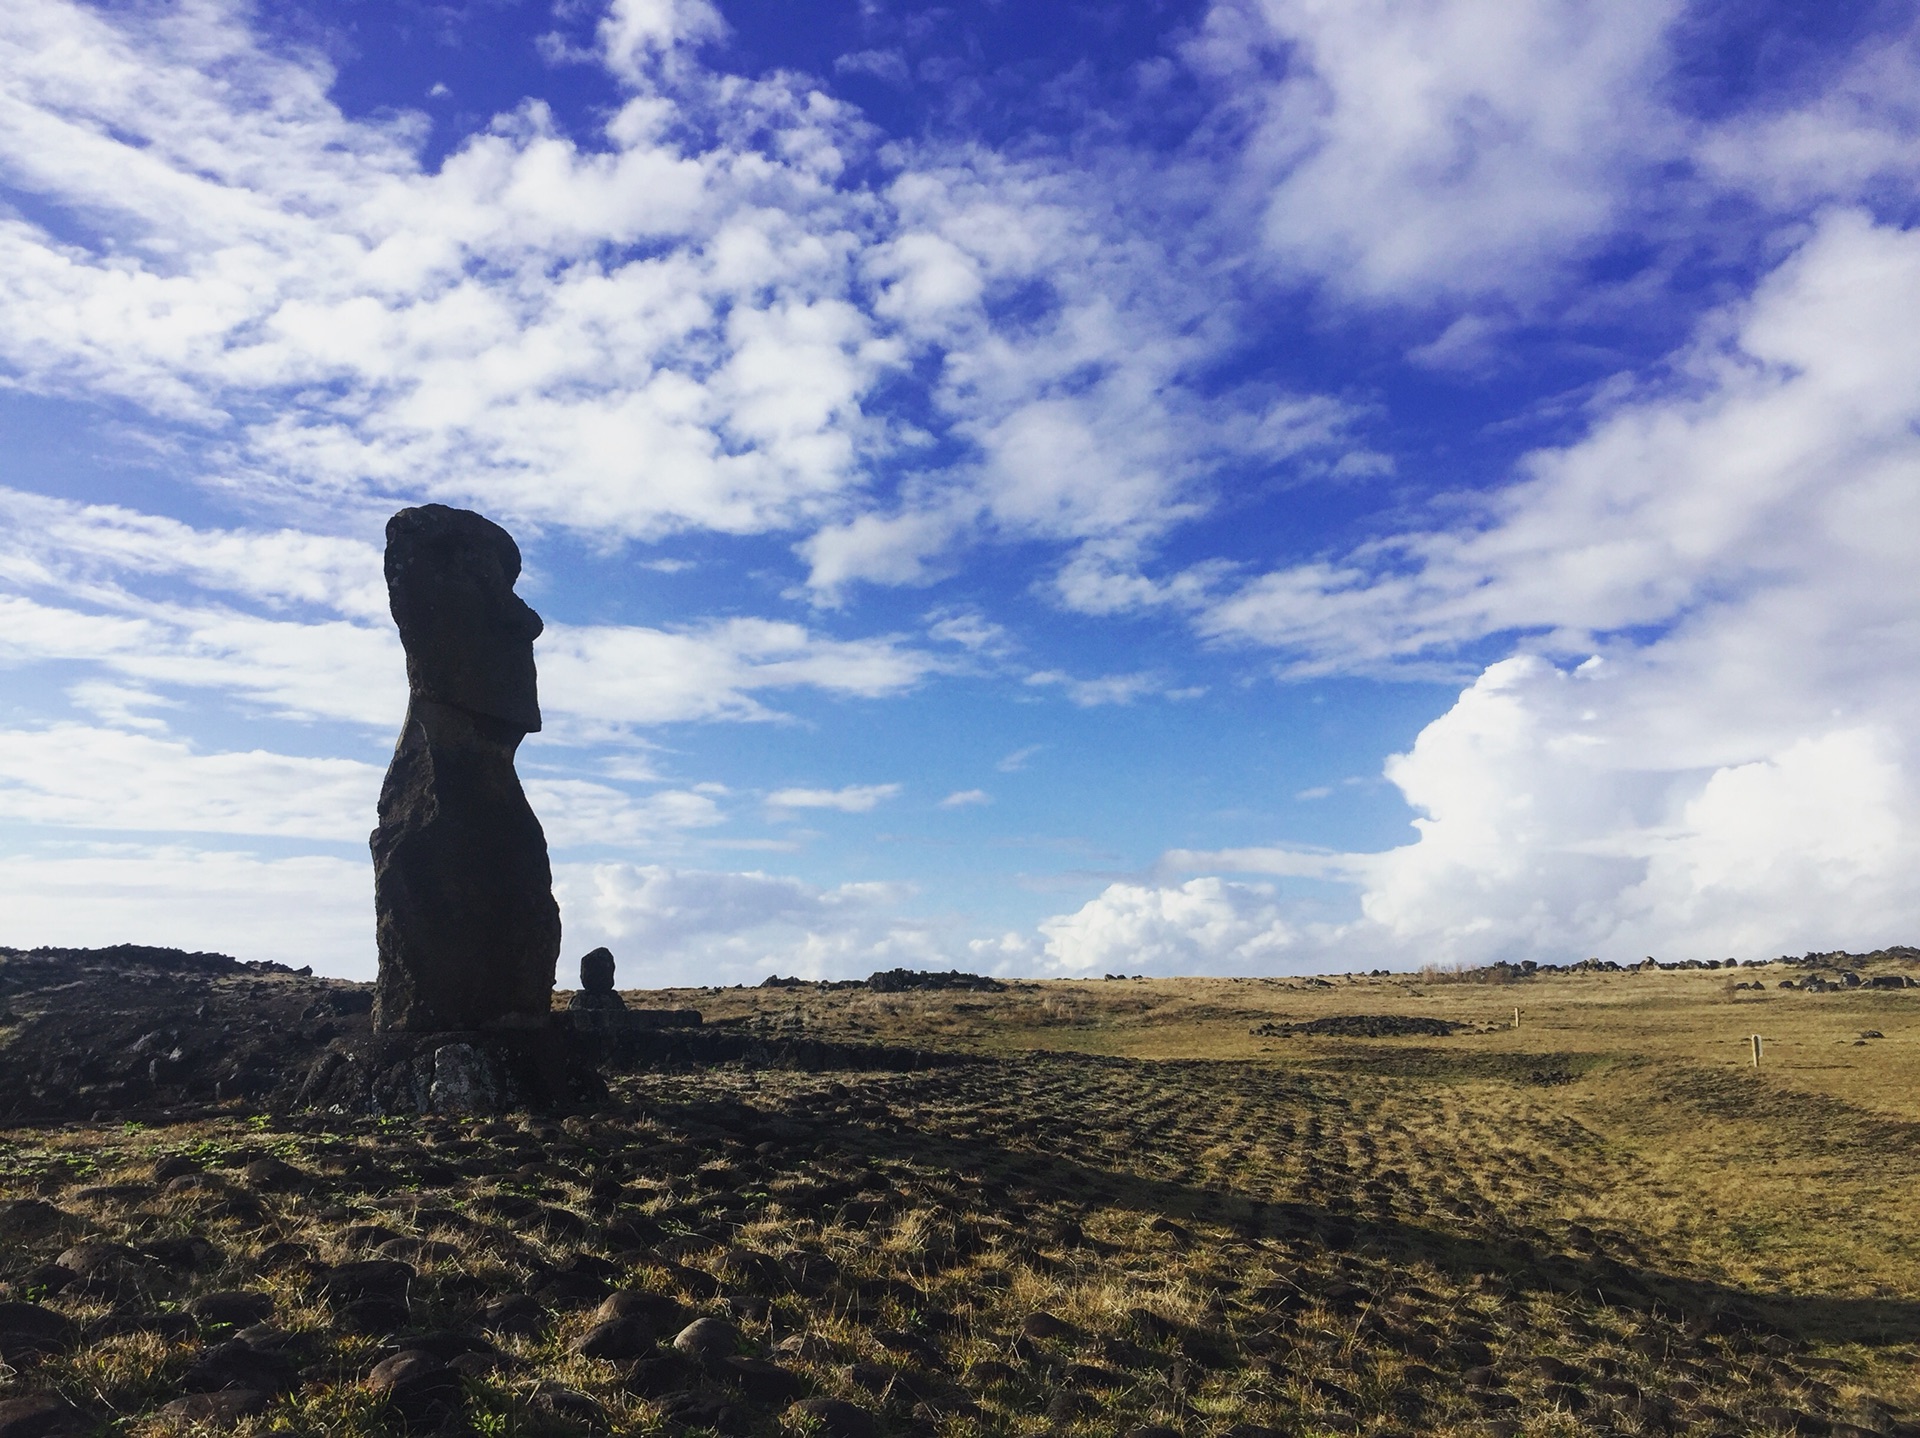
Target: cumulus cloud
1556 821
1106 688
1206 925
966 799
1452 149
75 776
1703 747
325 648
684 321
678 926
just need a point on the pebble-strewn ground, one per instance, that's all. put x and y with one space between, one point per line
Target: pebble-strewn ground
1024 1244
1369 1235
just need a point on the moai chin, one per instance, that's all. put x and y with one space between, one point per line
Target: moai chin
467 927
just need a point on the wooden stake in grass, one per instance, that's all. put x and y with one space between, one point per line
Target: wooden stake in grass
1756 1051
1516 1018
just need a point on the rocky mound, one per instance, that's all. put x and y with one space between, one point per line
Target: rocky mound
133 1033
1363 1026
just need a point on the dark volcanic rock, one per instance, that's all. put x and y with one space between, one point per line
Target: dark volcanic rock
452 1073
418 1387
1363 1026
37 1415
901 981
465 918
239 1365
28 1330
596 972
216 1410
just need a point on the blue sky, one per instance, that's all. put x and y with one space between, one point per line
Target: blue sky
1224 487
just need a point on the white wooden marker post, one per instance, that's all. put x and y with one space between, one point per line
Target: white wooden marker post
1756 1051
1516 1018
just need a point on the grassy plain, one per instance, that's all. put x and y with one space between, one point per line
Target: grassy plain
1113 1208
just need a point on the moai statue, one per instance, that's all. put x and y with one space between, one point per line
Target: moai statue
596 983
463 894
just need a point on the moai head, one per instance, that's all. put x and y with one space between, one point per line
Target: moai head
596 972
468 636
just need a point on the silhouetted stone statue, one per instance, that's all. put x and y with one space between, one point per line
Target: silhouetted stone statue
596 983
463 894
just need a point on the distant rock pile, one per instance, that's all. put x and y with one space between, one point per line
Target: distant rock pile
898 981
1361 1026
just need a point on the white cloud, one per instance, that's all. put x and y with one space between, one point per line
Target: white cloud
1447 148
76 776
99 548
1106 689
1019 759
121 706
626 334
1851 140
339 324
666 925
326 648
635 33
1557 823
310 910
1732 772
971 630
1784 455
678 926
966 799
1078 416
1206 925
627 675
82 777
854 799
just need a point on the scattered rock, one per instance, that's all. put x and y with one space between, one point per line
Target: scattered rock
1362 1026
234 1308
418 1388
37 1415
31 1330
616 1338
235 1364
518 1314
273 1174
569 1404
221 1409
1046 1325
656 1309
708 1339
836 1418
98 1260
762 1381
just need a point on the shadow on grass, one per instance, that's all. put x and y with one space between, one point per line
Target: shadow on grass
1511 1254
